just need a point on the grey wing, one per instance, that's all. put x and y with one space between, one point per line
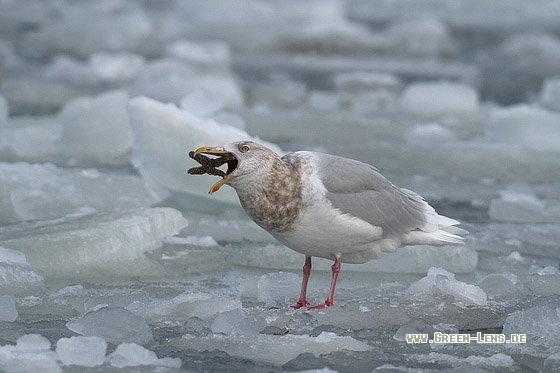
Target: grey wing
359 190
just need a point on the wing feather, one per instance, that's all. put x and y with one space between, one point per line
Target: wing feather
359 190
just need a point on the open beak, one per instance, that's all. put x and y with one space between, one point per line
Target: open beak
232 165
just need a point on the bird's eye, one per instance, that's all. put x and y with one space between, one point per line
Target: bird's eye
244 148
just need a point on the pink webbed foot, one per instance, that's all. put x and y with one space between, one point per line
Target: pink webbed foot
300 304
321 305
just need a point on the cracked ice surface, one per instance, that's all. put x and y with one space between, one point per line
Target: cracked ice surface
112 258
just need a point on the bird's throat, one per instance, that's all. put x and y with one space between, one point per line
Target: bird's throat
274 202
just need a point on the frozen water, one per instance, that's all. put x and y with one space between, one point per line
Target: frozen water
184 306
234 322
81 351
439 99
429 132
279 286
550 94
441 282
75 33
274 349
33 343
94 245
113 325
528 126
16 275
30 354
519 204
165 134
201 103
8 310
540 323
88 130
169 80
207 54
101 67
456 100
419 35
131 354
44 191
498 287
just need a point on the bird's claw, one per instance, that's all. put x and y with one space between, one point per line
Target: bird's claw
300 304
320 306
306 304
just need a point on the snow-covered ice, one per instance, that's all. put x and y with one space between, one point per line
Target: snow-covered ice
274 349
439 281
94 245
81 351
113 324
112 258
131 354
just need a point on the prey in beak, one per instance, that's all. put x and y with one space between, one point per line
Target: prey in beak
210 165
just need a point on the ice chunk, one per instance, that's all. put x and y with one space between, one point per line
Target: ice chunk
531 127
327 30
401 333
201 103
429 133
519 204
411 259
100 68
499 287
12 256
541 324
169 81
439 281
87 130
33 343
113 325
46 192
30 354
97 129
275 287
516 206
123 30
116 67
81 351
131 354
541 284
493 362
186 305
164 135
359 81
235 322
16 275
419 35
532 52
205 241
273 349
97 245
8 310
281 92
439 98
4 111
550 94
208 54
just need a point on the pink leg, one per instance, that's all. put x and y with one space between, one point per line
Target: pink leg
302 302
330 299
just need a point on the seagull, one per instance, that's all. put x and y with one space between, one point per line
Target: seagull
326 206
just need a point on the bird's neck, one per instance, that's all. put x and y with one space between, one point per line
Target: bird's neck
274 198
